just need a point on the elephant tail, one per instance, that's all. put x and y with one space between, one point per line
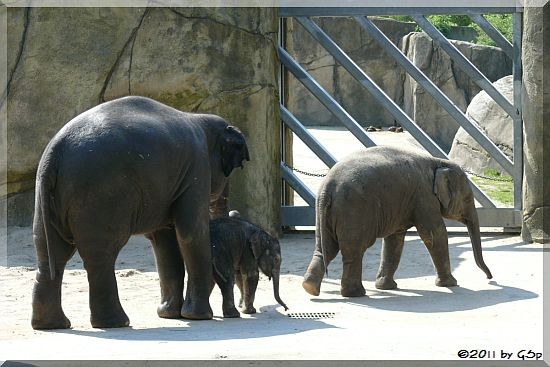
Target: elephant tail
44 199
321 231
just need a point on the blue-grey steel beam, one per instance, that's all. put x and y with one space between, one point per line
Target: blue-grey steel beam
341 114
297 216
464 64
288 11
436 93
292 122
297 185
518 120
495 35
382 98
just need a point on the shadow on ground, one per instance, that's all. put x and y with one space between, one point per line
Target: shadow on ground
426 301
415 260
267 323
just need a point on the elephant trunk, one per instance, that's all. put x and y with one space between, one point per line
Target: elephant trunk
472 223
275 274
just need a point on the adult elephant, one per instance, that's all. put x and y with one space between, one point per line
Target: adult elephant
380 193
130 166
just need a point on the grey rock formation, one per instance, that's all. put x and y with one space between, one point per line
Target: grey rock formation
494 122
456 85
536 109
63 61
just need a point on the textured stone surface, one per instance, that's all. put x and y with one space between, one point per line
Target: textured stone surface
494 122
456 85
536 109
336 80
194 59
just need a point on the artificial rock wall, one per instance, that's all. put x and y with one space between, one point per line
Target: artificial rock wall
63 61
536 137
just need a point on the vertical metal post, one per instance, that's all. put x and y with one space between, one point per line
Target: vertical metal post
282 101
517 19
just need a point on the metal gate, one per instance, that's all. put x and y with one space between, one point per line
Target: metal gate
489 214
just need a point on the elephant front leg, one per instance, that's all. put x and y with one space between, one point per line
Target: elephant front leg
171 271
352 273
249 285
239 283
191 220
436 240
392 248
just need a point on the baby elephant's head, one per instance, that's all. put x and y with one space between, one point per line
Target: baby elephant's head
267 251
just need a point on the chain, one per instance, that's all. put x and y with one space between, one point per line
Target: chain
304 172
465 170
488 177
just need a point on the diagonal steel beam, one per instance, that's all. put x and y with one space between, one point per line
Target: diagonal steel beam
495 35
464 64
292 122
297 185
311 84
371 86
333 49
472 129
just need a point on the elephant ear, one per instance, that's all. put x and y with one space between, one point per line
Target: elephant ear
443 187
255 242
233 150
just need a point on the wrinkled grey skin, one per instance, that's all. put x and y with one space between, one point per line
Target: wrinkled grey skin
239 249
130 166
380 193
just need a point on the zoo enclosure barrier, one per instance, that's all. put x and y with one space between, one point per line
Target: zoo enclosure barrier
489 214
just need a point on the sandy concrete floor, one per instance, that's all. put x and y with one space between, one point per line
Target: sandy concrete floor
419 321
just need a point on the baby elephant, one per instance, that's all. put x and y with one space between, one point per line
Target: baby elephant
380 193
239 248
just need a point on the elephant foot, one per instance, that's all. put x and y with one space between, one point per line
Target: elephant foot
114 320
353 291
311 287
231 313
249 310
446 281
314 276
385 283
168 310
46 306
195 311
56 320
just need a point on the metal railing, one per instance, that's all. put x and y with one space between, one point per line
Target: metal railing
489 213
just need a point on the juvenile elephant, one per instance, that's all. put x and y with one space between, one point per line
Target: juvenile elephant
239 248
130 166
380 193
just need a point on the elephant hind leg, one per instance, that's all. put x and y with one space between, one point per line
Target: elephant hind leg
352 272
316 269
105 307
171 271
392 248
47 312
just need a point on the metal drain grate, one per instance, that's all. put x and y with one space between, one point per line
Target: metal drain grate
311 315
